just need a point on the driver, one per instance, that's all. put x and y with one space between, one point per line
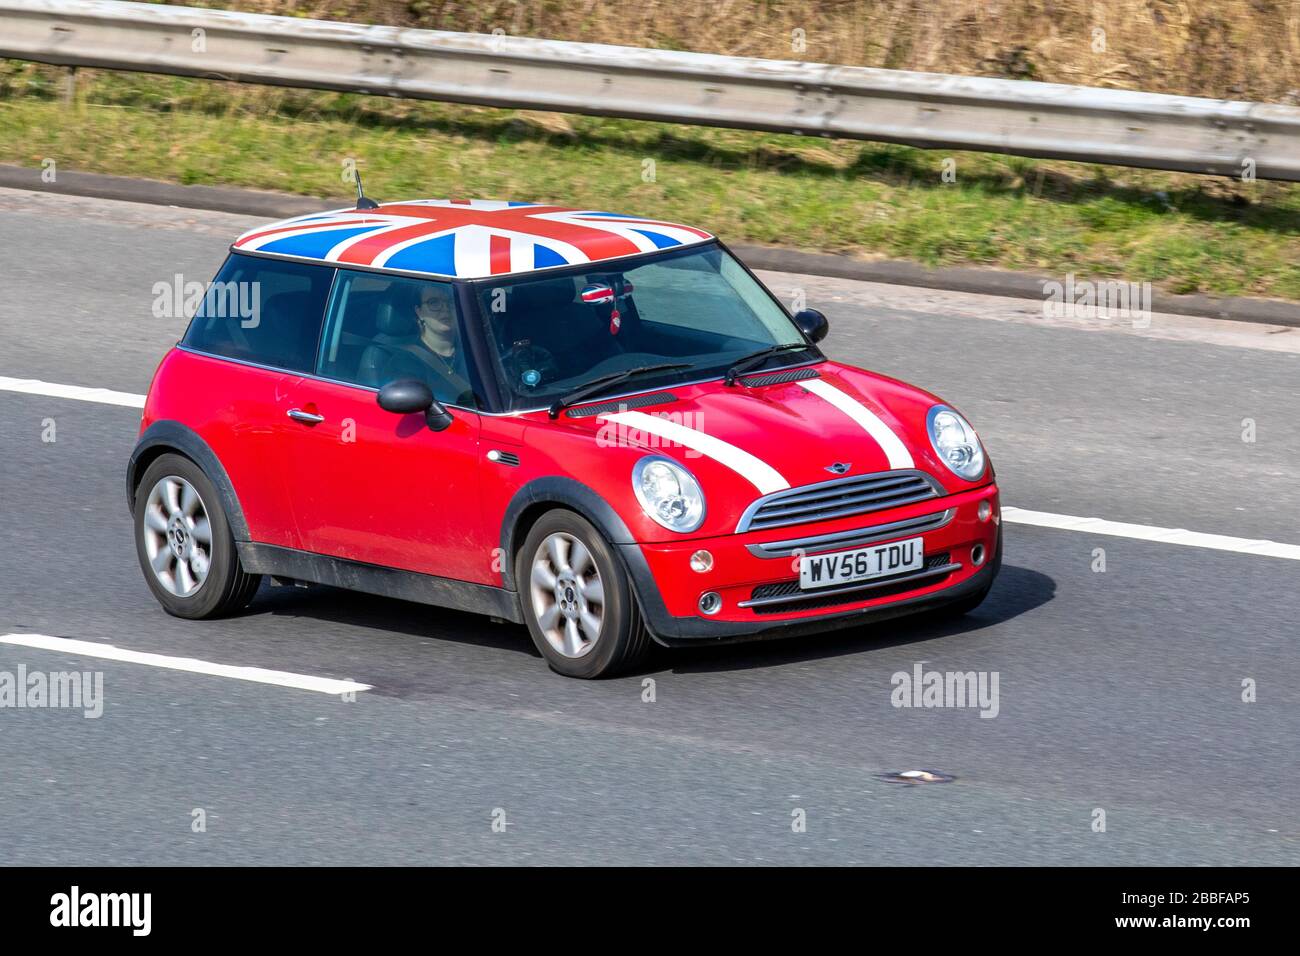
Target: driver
437 347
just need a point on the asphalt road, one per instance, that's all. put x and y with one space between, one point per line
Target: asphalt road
1119 690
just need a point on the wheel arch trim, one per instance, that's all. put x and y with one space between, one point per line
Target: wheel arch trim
171 436
562 492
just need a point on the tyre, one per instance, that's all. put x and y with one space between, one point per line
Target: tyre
184 544
577 599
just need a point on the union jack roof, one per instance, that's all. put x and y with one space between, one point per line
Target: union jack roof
465 238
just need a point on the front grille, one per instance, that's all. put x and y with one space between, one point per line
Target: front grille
839 498
839 540
851 594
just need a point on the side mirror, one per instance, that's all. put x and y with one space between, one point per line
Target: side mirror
813 324
408 395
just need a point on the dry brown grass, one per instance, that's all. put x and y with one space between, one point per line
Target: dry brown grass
1236 49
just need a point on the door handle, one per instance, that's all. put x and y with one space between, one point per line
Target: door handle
307 418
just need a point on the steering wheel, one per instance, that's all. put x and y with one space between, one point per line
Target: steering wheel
527 366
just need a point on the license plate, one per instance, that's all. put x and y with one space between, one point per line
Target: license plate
862 564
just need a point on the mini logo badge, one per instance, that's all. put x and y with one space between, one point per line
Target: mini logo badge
840 467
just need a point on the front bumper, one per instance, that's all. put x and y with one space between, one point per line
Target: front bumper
757 579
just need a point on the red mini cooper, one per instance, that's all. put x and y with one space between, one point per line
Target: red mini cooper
603 427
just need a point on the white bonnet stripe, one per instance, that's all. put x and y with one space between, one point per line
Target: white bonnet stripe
890 444
760 474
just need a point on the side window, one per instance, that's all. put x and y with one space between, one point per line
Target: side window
383 328
263 310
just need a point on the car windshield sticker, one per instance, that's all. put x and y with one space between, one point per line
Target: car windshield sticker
531 377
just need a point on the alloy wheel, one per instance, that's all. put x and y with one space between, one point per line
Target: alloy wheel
177 536
567 594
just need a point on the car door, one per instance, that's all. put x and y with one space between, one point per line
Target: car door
253 335
370 485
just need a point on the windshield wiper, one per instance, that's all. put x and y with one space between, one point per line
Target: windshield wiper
613 378
755 359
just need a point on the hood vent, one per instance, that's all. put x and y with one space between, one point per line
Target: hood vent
780 378
623 404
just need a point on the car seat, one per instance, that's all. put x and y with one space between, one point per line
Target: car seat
395 326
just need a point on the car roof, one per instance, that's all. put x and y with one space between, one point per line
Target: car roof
465 238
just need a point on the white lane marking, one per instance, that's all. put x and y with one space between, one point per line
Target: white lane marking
323 685
104 396
759 473
1142 532
893 447
663 428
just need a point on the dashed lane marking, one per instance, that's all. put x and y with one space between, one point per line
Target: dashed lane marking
258 675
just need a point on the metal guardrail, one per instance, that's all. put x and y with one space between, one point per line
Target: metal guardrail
930 110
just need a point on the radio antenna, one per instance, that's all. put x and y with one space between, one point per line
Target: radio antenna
363 202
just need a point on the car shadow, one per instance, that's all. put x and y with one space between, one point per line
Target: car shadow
1017 591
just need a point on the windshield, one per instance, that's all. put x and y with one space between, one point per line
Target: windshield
553 334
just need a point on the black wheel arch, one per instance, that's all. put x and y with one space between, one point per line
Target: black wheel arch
166 436
545 493
541 495
555 491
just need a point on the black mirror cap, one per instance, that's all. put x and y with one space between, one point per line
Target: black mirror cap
813 324
409 395
406 395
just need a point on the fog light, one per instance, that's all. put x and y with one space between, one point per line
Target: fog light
701 561
710 603
985 510
977 555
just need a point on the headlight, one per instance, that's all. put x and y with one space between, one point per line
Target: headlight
668 493
955 442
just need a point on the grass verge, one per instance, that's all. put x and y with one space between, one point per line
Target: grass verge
1182 233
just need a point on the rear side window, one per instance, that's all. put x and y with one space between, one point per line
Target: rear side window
263 310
